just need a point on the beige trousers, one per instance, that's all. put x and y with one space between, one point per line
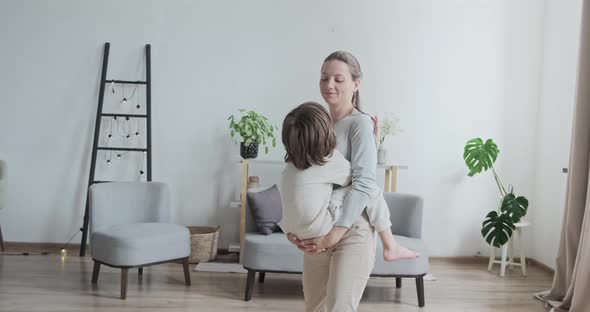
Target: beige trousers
334 280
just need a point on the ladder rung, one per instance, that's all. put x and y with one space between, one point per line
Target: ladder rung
93 182
126 81
128 149
98 181
125 115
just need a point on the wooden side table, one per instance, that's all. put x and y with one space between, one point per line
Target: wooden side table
390 184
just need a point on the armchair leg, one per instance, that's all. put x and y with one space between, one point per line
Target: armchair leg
420 290
95 272
124 274
261 276
398 282
1 239
249 285
187 273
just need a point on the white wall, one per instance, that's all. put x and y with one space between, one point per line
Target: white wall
451 70
554 125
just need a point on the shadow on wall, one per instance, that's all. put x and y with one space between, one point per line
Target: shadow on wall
71 186
227 190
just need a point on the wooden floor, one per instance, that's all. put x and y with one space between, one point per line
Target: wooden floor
48 283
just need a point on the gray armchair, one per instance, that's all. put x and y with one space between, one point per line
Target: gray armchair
128 229
274 254
406 224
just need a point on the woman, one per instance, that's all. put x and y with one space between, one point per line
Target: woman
337 266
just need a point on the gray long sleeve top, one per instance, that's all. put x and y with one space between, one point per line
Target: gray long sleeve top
356 141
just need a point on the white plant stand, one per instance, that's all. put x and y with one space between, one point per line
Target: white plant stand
508 253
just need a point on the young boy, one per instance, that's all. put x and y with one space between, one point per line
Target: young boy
311 203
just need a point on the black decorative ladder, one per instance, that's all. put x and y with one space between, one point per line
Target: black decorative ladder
100 115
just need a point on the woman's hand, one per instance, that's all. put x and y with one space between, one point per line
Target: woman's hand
293 239
322 243
310 247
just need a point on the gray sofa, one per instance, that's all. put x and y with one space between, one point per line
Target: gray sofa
274 254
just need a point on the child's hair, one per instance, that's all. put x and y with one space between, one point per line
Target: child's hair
308 135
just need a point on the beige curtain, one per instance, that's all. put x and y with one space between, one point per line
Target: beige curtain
571 282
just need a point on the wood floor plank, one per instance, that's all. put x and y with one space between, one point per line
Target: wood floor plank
48 283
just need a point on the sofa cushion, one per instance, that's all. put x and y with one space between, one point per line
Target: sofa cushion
271 253
275 253
266 209
140 243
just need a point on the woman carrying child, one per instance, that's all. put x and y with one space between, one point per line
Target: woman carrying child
337 265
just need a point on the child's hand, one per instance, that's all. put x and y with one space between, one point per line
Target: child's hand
376 126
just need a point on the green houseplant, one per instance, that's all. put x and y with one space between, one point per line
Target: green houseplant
253 130
498 225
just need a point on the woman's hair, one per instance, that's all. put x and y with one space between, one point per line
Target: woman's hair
355 71
308 135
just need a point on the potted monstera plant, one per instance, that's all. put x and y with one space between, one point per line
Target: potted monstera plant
498 225
253 130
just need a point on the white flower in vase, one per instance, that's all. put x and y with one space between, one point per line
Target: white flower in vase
388 126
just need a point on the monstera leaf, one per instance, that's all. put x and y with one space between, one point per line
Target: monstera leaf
515 207
498 225
497 229
479 156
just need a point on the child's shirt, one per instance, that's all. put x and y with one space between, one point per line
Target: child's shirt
306 196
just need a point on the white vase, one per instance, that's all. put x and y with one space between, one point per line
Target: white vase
381 156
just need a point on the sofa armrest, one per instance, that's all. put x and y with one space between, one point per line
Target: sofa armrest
405 213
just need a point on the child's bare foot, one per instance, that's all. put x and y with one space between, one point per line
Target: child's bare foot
392 250
398 252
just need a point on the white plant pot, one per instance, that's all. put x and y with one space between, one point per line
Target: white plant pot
381 156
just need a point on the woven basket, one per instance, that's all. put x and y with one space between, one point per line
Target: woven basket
203 243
